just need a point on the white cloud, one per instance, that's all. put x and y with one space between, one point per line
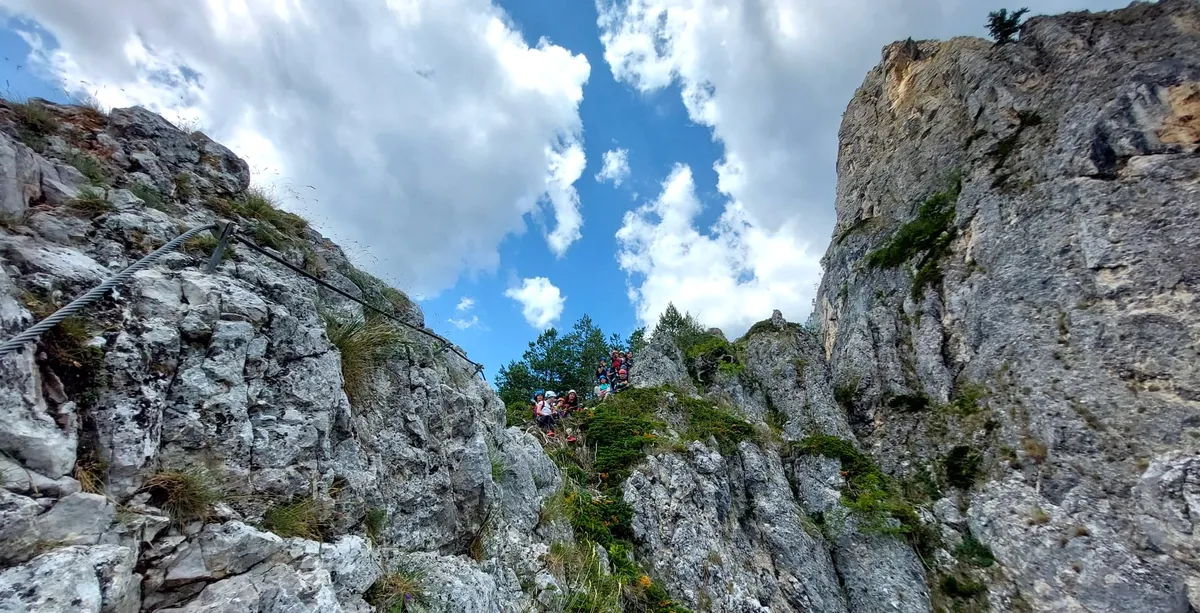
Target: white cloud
729 277
463 324
770 79
428 128
615 168
566 166
541 302
465 304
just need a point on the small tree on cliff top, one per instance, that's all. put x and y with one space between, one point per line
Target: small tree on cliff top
1003 26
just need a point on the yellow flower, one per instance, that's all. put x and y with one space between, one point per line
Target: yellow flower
644 581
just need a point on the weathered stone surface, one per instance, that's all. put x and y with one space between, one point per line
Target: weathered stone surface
1057 337
20 178
709 526
73 580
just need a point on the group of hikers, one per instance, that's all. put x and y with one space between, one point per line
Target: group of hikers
612 376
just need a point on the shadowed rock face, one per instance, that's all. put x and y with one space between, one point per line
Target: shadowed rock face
1065 300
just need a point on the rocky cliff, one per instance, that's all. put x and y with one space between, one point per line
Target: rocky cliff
1013 283
997 407
236 441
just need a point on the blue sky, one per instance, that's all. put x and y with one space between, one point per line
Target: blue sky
443 137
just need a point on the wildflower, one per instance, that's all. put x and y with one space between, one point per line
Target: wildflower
644 581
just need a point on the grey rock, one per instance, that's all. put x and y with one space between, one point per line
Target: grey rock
20 178
1064 296
233 547
660 363
17 478
31 433
74 579
707 535
353 567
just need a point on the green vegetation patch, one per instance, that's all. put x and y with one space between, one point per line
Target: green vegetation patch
909 403
930 233
962 465
706 419
90 167
620 429
70 354
975 552
34 124
302 517
868 491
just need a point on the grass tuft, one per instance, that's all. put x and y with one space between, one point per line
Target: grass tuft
148 194
362 342
374 522
396 592
91 201
70 354
34 124
302 518
90 167
185 495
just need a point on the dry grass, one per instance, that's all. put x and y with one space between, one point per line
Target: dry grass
363 343
185 495
303 518
91 201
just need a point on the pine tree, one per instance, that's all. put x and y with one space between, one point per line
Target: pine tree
1004 26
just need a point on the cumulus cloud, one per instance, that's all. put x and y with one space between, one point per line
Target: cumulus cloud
541 302
615 168
428 129
771 79
465 304
729 276
463 324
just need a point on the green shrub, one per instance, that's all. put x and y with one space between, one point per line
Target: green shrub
909 403
621 428
185 495
706 419
517 414
966 401
397 591
961 586
845 392
362 343
975 552
962 466
1003 26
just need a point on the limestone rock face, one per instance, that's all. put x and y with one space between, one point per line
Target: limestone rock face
1048 325
232 378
